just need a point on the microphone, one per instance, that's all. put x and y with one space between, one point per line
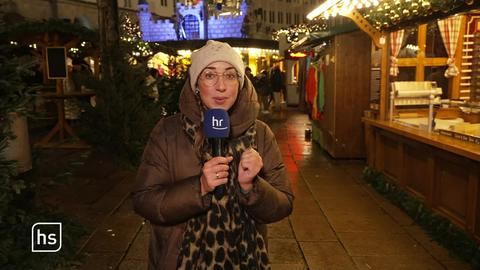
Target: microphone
216 126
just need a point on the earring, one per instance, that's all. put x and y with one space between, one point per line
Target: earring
197 91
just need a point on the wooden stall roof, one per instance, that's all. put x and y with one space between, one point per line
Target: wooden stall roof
416 20
316 38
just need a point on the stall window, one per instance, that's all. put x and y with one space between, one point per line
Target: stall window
437 74
409 47
434 46
406 74
423 56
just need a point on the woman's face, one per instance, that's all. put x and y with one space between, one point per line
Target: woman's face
218 85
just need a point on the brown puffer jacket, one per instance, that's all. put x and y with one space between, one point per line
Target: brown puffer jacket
167 191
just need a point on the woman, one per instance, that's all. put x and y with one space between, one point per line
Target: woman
191 227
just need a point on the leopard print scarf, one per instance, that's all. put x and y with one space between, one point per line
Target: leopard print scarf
225 237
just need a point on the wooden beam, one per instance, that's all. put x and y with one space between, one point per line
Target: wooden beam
366 27
422 46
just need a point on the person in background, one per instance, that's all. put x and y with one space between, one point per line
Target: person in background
71 105
151 82
264 91
278 86
248 73
192 226
81 72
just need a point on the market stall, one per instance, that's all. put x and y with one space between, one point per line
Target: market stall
423 126
334 89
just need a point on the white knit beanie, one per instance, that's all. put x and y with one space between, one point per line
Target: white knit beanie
215 51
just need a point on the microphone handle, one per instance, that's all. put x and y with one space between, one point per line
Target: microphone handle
216 147
217 152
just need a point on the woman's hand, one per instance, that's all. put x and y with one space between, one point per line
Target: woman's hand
214 173
250 165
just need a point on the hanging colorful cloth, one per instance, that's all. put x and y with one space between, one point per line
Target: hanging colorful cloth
311 85
321 88
450 29
396 40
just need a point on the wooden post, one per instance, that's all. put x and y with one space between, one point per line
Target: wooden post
109 31
384 75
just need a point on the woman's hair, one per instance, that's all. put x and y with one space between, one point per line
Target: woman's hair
199 143
199 138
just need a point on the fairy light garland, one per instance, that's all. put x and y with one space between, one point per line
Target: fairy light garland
383 14
293 33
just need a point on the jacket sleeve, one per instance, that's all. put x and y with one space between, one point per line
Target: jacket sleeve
271 198
159 198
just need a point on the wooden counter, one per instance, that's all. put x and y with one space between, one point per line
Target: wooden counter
441 171
462 148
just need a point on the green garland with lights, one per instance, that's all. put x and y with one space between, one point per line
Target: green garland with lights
439 228
293 32
393 12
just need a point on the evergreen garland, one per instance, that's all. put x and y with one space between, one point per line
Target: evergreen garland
438 227
18 212
390 13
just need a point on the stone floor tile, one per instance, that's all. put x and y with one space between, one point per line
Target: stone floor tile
284 251
359 222
312 228
377 197
456 265
276 266
301 190
380 244
326 256
435 249
306 205
101 260
360 205
280 229
314 171
397 214
134 265
321 190
115 235
139 248
397 263
304 160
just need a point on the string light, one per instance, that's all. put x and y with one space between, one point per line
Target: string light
293 32
384 13
130 33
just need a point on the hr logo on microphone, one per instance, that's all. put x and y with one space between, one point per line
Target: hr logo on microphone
217 123
46 237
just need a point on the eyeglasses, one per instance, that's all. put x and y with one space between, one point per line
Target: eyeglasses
211 78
